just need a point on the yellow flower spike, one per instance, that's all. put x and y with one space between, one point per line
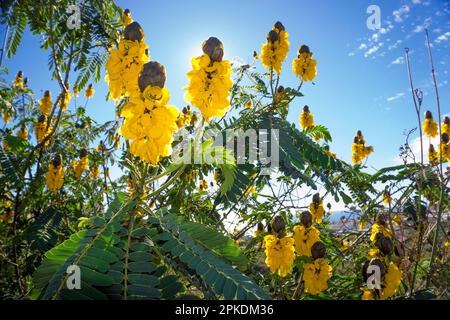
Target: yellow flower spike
203 185
217 175
392 280
379 227
18 81
45 104
304 66
444 148
82 164
275 50
89 93
259 230
210 81
306 118
94 171
149 122
125 63
316 208
6 117
280 254
23 133
55 174
429 126
316 276
446 126
65 98
344 245
304 238
248 104
40 129
367 294
127 18
433 157
359 149
116 141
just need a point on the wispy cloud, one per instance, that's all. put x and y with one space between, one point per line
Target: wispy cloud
443 37
399 60
395 97
401 13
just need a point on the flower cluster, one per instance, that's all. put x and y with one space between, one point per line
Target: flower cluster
318 272
89 93
275 50
125 63
429 126
306 118
210 81
316 208
41 130
94 172
444 148
304 66
149 121
305 235
45 104
23 133
18 81
390 272
81 164
55 174
359 149
65 97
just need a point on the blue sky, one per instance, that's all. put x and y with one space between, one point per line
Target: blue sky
362 80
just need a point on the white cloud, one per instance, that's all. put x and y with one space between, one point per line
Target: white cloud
394 45
351 54
395 97
416 1
371 51
443 37
362 46
401 13
399 60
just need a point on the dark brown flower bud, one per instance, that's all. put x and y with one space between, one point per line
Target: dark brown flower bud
445 138
306 219
279 26
447 120
46 93
303 49
359 133
316 198
428 115
57 160
273 36
42 118
153 74
134 32
280 89
278 225
381 219
384 243
318 250
431 148
356 139
306 108
126 11
213 47
83 153
260 226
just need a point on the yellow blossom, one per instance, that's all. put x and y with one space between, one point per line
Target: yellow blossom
275 50
392 280
23 133
304 238
89 93
304 66
279 254
210 81
18 81
55 174
377 227
45 104
316 276
429 126
306 118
